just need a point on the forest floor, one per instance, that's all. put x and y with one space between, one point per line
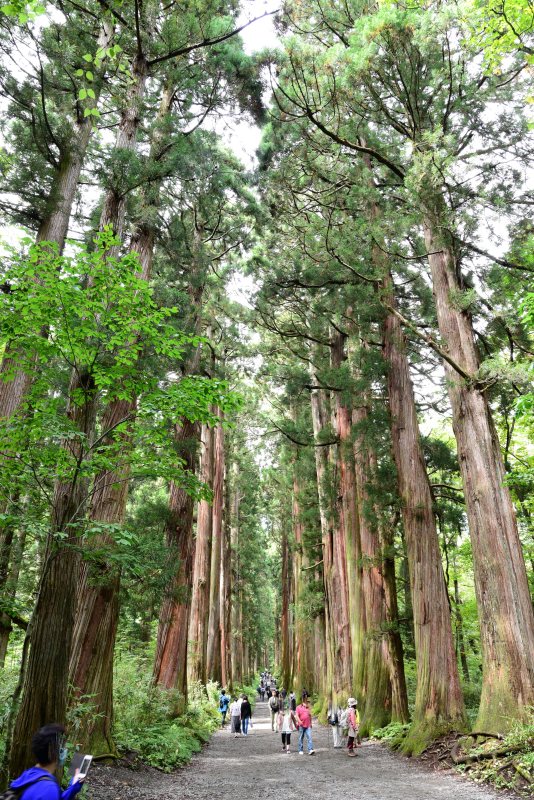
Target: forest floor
254 768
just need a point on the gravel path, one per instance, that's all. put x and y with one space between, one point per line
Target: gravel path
254 768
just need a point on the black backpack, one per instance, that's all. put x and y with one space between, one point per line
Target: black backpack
275 706
15 794
221 703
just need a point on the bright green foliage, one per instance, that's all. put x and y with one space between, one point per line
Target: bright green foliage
89 313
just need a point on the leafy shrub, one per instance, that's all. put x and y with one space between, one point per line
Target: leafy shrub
390 732
145 717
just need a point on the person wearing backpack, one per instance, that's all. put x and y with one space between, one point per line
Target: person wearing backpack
274 707
334 719
224 702
38 782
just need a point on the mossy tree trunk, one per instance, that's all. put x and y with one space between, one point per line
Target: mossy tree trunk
439 704
505 615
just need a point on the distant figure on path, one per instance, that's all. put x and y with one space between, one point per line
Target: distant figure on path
354 725
38 782
224 702
305 725
246 714
287 723
274 707
292 701
235 717
262 689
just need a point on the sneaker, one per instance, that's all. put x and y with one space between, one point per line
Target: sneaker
359 744
287 751
301 752
351 753
311 753
283 748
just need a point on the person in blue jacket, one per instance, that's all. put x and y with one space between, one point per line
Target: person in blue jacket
38 782
224 702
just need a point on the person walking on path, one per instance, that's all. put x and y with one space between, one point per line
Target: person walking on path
246 714
274 707
287 723
224 702
235 717
354 725
304 720
334 718
262 688
293 701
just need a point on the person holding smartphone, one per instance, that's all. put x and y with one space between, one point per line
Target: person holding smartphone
39 782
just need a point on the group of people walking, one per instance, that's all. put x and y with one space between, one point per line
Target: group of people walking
287 717
240 713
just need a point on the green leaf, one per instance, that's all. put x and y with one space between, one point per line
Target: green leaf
83 94
91 94
87 57
79 73
89 76
87 112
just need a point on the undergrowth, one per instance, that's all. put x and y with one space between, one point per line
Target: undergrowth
145 721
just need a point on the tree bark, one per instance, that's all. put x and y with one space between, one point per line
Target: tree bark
213 657
506 619
235 616
170 662
376 688
399 695
286 589
44 696
439 704
226 590
198 622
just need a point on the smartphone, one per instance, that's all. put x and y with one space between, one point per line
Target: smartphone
84 769
81 762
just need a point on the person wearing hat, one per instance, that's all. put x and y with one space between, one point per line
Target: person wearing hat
354 725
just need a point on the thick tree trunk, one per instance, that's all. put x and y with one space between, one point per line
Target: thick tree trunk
439 705
170 662
376 689
44 696
91 667
213 657
226 591
333 665
234 546
10 591
399 695
506 620
114 207
286 590
198 622
304 654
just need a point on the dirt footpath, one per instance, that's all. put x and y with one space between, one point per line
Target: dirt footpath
254 767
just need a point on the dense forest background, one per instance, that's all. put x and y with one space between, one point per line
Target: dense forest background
332 477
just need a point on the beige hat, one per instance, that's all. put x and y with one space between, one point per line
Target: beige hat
352 702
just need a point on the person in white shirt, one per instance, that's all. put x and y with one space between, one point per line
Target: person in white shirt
235 717
287 723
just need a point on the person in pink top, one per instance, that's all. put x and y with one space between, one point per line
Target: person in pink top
305 724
